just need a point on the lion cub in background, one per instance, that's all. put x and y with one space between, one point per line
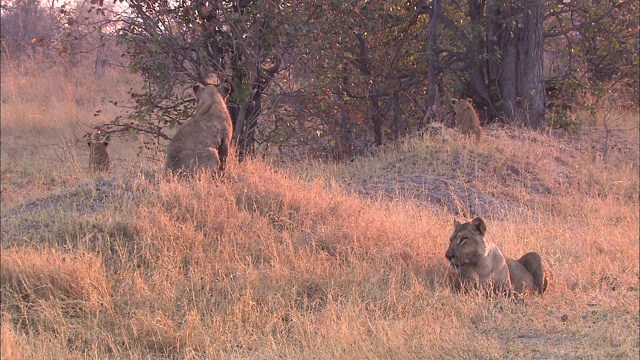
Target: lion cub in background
477 262
98 156
466 117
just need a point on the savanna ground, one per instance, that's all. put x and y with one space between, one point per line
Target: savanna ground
306 260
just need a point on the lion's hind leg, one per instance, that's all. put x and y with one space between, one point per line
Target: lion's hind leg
208 161
533 263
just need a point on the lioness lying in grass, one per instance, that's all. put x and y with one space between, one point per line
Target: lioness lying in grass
478 263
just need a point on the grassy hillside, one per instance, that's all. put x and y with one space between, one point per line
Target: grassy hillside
307 259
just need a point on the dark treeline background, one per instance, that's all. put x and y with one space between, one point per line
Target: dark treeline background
333 78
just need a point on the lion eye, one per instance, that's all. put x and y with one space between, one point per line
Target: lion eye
462 240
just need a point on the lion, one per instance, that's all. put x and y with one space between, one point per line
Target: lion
98 156
204 141
466 117
478 263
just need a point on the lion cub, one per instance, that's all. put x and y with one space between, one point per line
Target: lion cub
98 156
477 262
466 117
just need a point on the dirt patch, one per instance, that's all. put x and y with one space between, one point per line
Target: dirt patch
459 199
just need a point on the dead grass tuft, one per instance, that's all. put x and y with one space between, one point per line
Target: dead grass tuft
77 282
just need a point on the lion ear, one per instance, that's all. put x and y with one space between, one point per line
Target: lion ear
224 90
469 101
479 226
197 87
456 224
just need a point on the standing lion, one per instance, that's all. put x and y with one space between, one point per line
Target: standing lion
466 117
477 262
204 141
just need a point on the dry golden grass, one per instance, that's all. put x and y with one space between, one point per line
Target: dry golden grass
306 260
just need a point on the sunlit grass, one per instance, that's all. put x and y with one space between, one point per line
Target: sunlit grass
309 259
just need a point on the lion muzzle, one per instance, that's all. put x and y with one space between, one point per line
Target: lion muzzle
454 262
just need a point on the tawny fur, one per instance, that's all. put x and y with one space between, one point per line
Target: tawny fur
204 141
98 156
466 117
478 263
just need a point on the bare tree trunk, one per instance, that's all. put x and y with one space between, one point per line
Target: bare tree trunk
248 136
507 82
477 87
501 70
514 89
398 127
530 85
375 117
101 55
432 58
362 64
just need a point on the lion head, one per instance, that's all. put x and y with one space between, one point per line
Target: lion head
467 245
460 105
